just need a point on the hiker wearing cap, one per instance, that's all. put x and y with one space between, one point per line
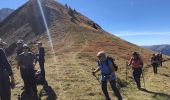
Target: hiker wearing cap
107 74
155 62
27 61
41 59
6 75
137 65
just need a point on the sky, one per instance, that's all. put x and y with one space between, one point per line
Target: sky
142 22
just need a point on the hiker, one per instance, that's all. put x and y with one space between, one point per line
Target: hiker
155 62
6 75
137 65
41 59
107 69
27 62
19 50
160 59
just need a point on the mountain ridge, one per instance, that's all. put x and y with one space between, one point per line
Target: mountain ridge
163 48
4 12
76 40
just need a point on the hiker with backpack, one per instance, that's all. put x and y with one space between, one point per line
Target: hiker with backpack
107 67
27 62
137 64
41 59
155 62
19 50
6 75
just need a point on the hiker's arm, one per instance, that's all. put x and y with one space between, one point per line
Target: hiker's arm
35 60
130 62
97 70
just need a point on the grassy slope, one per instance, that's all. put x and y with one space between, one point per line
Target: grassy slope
70 76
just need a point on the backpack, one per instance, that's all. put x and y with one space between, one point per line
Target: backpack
38 78
112 60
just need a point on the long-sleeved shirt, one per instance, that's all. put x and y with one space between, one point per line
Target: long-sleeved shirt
136 63
4 64
41 53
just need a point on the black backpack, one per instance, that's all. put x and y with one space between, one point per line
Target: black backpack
114 65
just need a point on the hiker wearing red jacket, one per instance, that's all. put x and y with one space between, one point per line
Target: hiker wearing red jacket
137 64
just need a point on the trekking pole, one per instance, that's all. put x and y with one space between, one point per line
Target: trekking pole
143 78
126 70
98 79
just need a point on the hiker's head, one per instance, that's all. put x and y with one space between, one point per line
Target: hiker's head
26 48
154 55
20 43
102 56
39 44
135 55
2 43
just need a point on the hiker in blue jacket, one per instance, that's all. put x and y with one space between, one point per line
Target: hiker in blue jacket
5 72
107 74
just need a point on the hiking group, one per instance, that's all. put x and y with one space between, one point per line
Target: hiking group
26 61
108 68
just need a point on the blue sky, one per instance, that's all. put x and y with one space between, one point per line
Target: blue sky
143 22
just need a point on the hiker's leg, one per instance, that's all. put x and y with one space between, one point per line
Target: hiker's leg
27 82
22 75
41 63
1 82
115 89
153 66
139 75
104 89
6 89
136 76
156 69
32 82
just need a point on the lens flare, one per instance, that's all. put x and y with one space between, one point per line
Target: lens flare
46 26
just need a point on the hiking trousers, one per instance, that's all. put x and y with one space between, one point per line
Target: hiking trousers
41 64
155 66
136 74
114 88
5 90
29 79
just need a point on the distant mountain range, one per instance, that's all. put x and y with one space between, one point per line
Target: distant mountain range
165 49
4 12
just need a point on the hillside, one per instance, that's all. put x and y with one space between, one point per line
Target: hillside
4 13
165 49
76 40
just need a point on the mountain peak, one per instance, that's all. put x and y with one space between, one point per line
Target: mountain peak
4 12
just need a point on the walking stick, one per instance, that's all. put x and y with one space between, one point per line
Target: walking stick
98 79
126 70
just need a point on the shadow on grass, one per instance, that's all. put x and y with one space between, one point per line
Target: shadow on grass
49 93
155 94
27 96
166 75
